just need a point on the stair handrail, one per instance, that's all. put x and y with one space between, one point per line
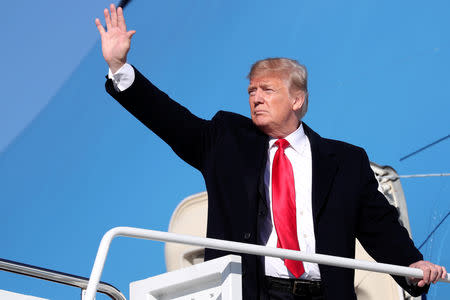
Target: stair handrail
58 277
237 247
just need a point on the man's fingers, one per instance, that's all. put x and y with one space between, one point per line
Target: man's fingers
131 33
426 275
439 272
421 283
113 15
121 19
431 272
107 19
99 27
435 274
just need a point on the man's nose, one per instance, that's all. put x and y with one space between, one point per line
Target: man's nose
259 97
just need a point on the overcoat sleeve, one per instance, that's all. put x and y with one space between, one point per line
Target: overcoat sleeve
380 232
188 135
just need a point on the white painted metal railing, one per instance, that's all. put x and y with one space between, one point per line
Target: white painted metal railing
237 248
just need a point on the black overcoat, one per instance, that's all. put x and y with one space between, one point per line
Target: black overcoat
231 152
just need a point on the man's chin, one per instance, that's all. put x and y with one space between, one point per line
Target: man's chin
259 121
261 124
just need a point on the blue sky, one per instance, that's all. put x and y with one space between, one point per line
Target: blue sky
74 164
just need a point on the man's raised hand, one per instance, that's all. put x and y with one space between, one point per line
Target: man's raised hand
116 39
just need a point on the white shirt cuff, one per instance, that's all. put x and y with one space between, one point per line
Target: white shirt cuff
122 78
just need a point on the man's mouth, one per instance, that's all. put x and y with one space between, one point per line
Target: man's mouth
257 112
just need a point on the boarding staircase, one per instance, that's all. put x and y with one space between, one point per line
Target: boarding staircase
190 278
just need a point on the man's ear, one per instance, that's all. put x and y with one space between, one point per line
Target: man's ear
299 100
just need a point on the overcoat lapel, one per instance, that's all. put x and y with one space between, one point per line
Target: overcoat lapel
324 167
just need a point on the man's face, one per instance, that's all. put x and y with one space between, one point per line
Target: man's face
272 108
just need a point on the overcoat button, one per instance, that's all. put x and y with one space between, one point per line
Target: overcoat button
247 235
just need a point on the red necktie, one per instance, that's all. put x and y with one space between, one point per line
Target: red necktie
283 205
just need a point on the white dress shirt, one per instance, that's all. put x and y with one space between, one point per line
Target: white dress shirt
122 78
299 154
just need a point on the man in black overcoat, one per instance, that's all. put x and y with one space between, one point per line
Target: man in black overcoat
325 198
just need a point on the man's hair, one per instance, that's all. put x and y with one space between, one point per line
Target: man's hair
288 69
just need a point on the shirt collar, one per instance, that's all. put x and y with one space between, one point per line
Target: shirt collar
295 139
